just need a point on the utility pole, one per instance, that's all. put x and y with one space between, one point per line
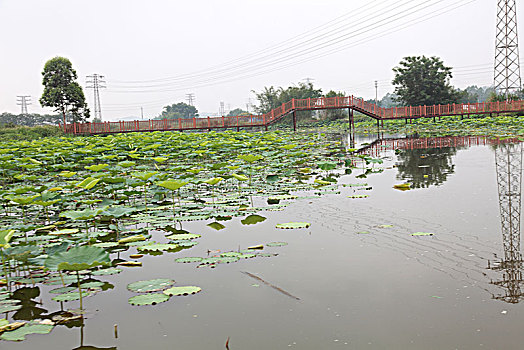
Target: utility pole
23 101
96 82
376 93
507 78
308 80
142 112
190 99
509 179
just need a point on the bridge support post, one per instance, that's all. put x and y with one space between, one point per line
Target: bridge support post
294 121
351 120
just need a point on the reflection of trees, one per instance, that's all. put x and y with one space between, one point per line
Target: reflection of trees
426 167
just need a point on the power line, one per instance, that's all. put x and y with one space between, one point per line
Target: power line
97 82
23 101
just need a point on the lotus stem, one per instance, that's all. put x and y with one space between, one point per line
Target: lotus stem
79 289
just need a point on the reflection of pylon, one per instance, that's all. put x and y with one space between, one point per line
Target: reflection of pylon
509 179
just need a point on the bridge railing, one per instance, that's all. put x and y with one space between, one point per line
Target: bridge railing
295 105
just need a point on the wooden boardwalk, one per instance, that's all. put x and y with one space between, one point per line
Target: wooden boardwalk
290 108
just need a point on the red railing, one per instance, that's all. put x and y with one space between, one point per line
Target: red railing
279 112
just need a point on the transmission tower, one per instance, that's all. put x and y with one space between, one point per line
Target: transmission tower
23 101
190 99
507 65
509 179
222 111
96 82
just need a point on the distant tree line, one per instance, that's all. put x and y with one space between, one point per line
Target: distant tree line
8 119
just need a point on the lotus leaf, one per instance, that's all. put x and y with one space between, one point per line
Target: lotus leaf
96 167
422 234
250 158
148 299
108 271
172 185
183 236
78 258
216 225
150 285
135 238
157 247
85 214
19 334
276 244
188 260
187 290
5 237
253 219
293 225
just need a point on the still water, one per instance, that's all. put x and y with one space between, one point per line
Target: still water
361 279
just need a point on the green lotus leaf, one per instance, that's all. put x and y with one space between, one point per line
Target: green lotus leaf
183 236
253 219
19 334
148 299
422 234
118 212
160 159
186 290
240 177
157 247
150 285
135 238
216 225
213 181
172 185
105 244
250 158
233 254
96 167
105 272
71 296
85 214
188 260
127 164
276 244
327 166
78 258
293 225
5 237
67 231
9 307
67 174
62 290
144 176
88 183
23 200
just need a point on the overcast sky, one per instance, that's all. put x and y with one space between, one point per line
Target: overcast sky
154 52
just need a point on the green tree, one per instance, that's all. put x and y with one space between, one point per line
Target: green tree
62 92
179 110
421 80
272 97
237 111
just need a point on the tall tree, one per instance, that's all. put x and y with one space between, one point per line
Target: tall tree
421 80
62 92
237 111
178 110
272 97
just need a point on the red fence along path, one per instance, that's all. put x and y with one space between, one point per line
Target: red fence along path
310 104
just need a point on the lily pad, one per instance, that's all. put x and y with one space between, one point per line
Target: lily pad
293 225
187 290
422 234
276 244
188 260
148 299
150 285
19 334
78 258
157 247
253 219
108 271
183 236
217 226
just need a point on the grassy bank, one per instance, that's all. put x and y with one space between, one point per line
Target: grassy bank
29 133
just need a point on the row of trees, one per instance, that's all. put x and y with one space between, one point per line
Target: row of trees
8 119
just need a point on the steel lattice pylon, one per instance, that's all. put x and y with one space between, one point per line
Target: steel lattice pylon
507 65
509 179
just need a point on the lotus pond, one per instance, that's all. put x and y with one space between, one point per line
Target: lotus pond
252 241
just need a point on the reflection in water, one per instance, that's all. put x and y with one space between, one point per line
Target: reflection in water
29 310
509 179
425 167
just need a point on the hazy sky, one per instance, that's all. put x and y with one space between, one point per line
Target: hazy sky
154 52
